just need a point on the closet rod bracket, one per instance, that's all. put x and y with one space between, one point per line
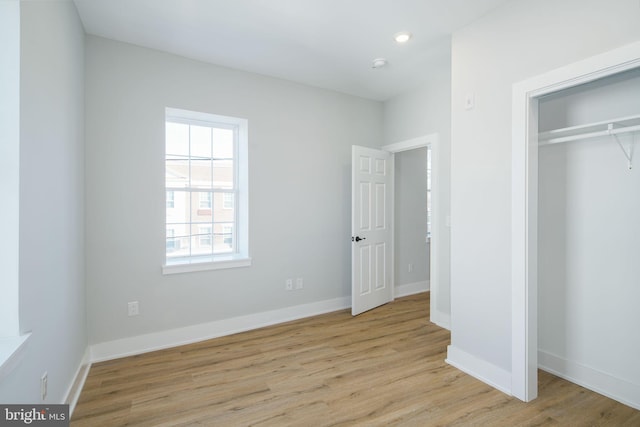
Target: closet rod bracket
627 153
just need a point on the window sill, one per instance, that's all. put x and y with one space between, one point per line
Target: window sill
11 349
206 266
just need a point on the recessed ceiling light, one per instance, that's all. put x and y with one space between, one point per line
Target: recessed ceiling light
379 62
402 37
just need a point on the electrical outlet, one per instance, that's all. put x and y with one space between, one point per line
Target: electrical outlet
44 380
289 284
133 308
299 283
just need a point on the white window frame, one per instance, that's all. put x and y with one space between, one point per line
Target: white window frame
240 257
12 342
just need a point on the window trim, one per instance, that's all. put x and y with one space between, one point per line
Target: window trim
219 264
241 257
12 342
11 352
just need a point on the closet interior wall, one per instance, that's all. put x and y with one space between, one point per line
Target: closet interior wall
589 242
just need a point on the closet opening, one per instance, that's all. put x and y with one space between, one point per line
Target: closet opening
570 243
588 247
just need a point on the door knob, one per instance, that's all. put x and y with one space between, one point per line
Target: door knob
358 238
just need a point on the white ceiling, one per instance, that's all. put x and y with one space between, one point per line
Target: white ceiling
324 43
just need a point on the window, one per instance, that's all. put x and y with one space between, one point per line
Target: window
206 184
227 201
205 236
205 200
170 200
227 235
429 195
11 342
171 241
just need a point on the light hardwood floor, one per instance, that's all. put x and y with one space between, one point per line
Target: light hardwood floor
384 367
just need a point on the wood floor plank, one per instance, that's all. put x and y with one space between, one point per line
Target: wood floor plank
384 367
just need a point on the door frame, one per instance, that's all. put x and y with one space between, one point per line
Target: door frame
524 202
430 140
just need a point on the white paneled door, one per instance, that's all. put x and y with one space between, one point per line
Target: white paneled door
371 232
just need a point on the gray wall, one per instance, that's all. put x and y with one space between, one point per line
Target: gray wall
411 217
516 41
588 230
52 296
299 189
422 111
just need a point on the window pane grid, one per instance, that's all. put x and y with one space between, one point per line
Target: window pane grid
205 171
201 158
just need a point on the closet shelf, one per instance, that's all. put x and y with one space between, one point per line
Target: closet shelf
611 128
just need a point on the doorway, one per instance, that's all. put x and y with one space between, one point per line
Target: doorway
412 221
430 143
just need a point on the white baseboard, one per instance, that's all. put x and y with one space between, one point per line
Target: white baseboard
73 393
190 334
484 371
411 289
616 388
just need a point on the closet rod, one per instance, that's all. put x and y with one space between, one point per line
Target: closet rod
607 132
590 127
